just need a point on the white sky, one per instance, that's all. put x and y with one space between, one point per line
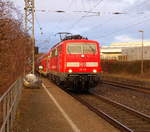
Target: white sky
105 28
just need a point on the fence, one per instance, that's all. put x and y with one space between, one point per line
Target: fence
8 105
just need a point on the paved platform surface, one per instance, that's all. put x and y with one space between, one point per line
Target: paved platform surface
50 109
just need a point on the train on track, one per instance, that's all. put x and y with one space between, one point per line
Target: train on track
73 62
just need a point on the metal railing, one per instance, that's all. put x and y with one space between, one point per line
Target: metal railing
8 105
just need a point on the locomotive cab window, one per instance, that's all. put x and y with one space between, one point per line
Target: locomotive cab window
89 49
74 48
81 48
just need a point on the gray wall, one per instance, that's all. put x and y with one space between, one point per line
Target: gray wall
135 53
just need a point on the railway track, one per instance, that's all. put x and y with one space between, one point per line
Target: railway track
120 116
128 86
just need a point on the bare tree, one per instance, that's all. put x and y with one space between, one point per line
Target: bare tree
8 10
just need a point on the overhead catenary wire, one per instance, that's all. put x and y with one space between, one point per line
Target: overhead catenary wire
125 28
40 27
142 4
61 19
134 18
127 12
129 26
80 19
108 21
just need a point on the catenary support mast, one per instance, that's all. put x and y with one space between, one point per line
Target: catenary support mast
29 24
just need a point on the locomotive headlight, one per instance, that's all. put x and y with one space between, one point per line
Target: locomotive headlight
40 67
82 55
70 71
95 71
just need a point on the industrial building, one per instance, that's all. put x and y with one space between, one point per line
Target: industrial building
126 51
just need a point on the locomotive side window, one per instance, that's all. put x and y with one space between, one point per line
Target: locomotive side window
50 55
56 52
81 48
59 49
53 53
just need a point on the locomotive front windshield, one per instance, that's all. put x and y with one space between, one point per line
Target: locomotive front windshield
81 48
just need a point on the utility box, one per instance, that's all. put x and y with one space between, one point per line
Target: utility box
36 49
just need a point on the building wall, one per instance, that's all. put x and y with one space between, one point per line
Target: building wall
110 56
126 51
135 53
110 53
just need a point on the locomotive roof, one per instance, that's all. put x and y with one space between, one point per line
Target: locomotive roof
73 40
72 37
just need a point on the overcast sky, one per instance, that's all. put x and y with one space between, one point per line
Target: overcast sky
104 25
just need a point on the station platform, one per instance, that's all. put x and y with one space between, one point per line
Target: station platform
50 109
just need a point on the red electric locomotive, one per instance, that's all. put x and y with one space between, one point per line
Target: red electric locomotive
75 62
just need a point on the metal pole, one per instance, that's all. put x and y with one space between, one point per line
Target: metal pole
33 39
26 29
29 24
142 51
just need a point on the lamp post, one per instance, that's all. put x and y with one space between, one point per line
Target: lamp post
142 51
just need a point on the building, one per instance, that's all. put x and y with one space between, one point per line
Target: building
135 53
126 51
110 53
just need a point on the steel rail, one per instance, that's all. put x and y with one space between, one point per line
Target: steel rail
128 120
100 113
128 109
128 86
114 121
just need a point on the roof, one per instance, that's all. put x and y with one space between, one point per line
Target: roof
114 50
130 44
